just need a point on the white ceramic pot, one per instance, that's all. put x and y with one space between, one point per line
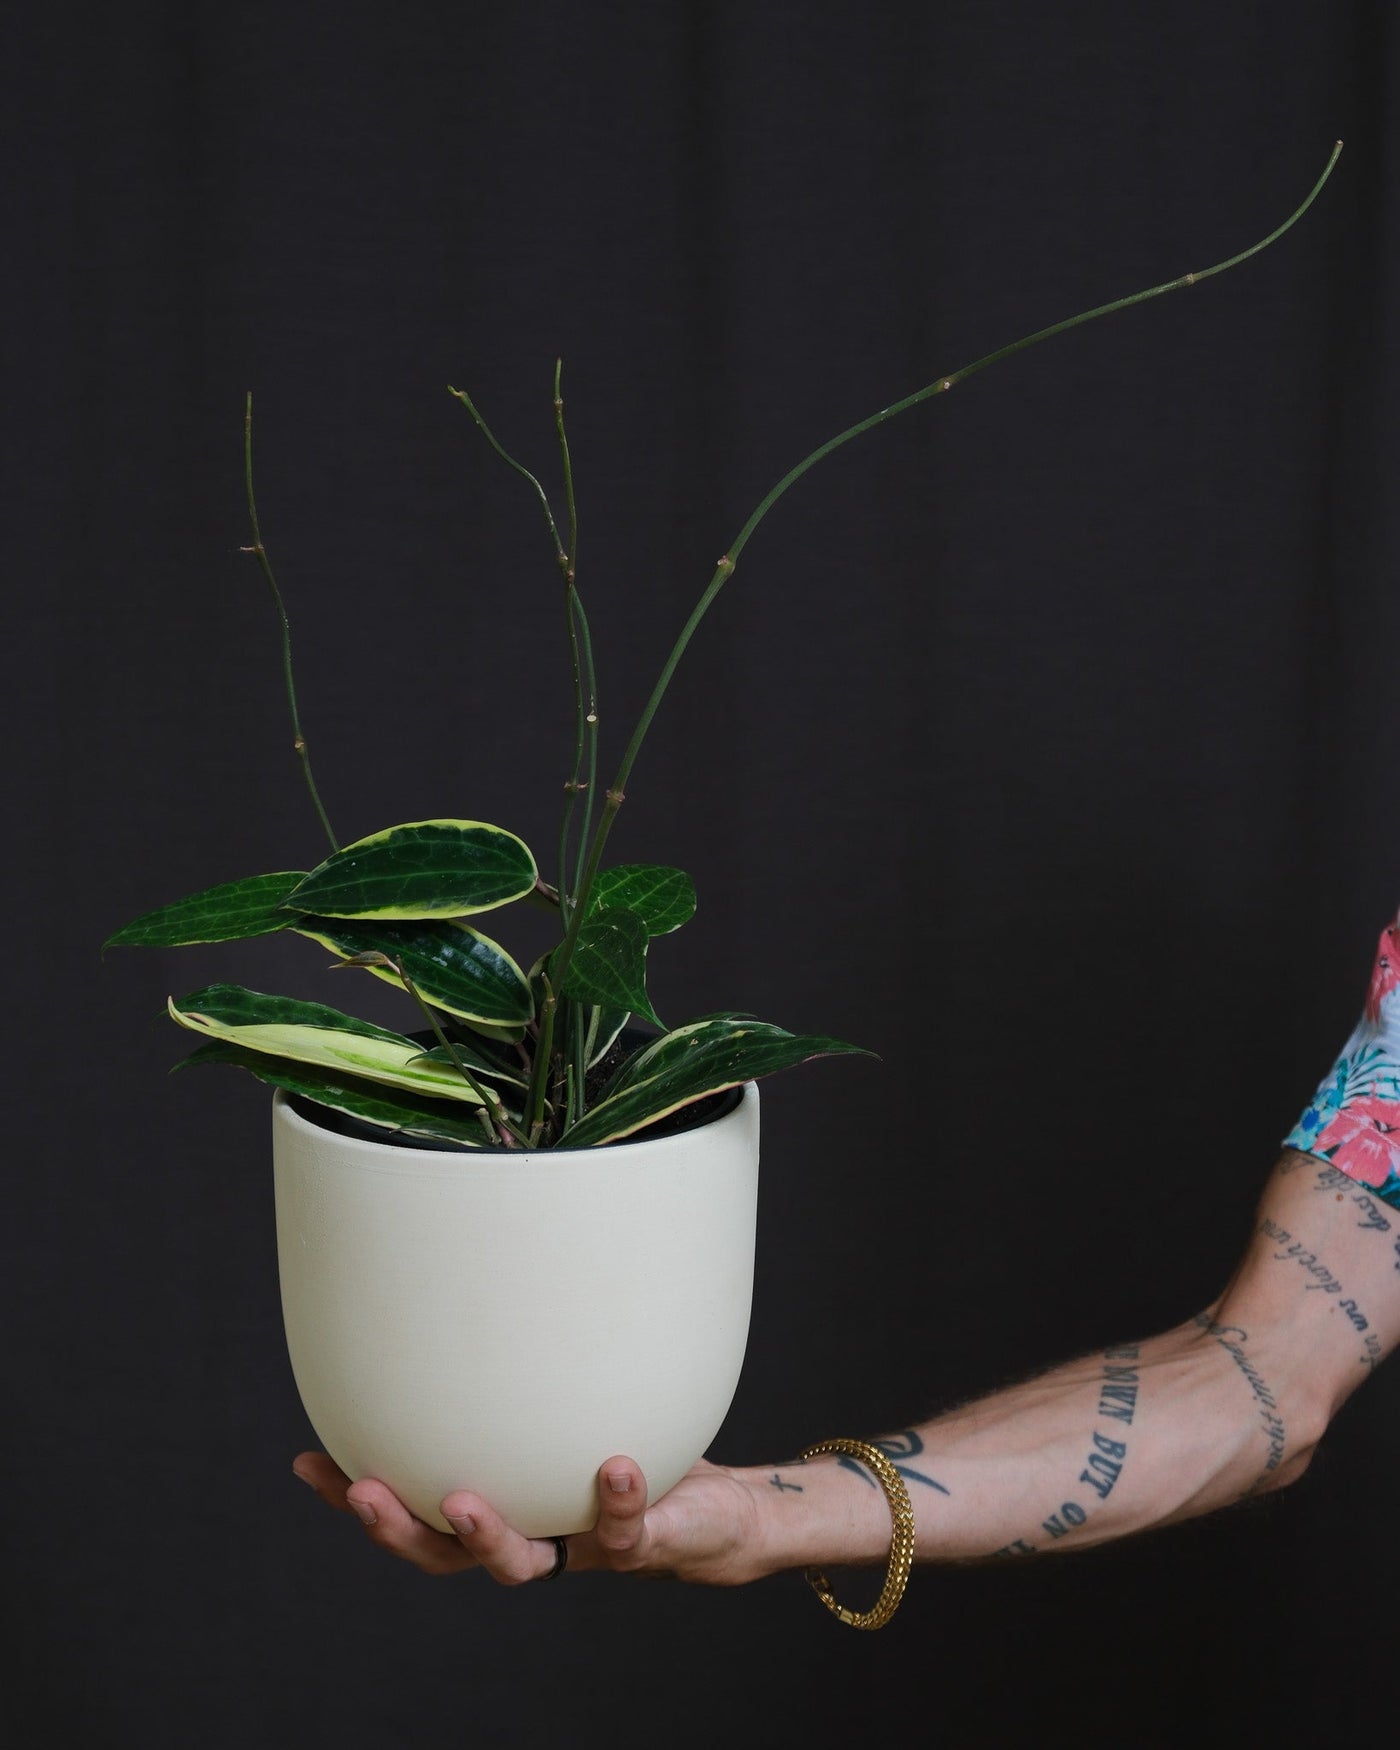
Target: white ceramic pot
507 1323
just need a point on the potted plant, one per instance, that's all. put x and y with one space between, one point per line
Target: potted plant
474 1210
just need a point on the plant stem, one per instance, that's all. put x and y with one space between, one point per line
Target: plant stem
257 548
580 662
568 466
539 1075
578 1036
589 784
580 639
581 643
724 568
519 467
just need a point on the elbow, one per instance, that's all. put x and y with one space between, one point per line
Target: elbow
1289 1471
1306 1427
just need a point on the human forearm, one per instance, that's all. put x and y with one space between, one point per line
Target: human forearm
1134 1435
1228 1404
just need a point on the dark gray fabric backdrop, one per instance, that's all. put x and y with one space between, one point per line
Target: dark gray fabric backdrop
1044 743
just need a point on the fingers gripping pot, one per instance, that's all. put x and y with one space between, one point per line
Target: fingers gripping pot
506 1322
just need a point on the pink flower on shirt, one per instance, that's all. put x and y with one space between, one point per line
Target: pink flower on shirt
1363 1139
1385 975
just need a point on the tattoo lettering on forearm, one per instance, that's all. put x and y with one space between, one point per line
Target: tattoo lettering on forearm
1070 1515
1309 1261
1067 1517
1372 1355
1274 1430
1118 1393
1333 1179
1103 1464
895 1447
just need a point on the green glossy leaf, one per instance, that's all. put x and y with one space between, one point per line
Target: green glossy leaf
426 869
682 1067
609 967
452 966
226 913
397 1113
312 1033
662 898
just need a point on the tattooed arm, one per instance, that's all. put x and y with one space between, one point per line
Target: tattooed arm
1230 1403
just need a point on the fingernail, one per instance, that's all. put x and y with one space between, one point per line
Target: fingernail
307 1480
365 1513
462 1522
619 1481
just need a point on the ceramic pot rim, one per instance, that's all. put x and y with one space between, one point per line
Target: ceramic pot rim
286 1112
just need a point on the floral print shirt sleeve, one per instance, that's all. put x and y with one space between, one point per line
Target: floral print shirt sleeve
1353 1120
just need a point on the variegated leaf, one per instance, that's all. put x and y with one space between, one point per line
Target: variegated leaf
394 1112
425 869
226 913
451 965
312 1033
681 1067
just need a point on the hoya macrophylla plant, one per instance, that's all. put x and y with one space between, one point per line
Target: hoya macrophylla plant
510 1057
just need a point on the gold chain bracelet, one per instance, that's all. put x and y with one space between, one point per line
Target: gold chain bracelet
901 1538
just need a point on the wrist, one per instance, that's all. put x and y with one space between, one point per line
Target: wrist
825 1511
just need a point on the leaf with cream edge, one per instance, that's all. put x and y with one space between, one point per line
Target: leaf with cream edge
682 1067
451 965
312 1033
425 869
389 1109
227 913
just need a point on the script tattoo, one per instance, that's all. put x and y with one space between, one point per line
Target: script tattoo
1274 1430
1322 1277
1333 1179
895 1447
1103 1463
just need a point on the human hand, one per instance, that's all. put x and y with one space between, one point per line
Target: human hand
707 1529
